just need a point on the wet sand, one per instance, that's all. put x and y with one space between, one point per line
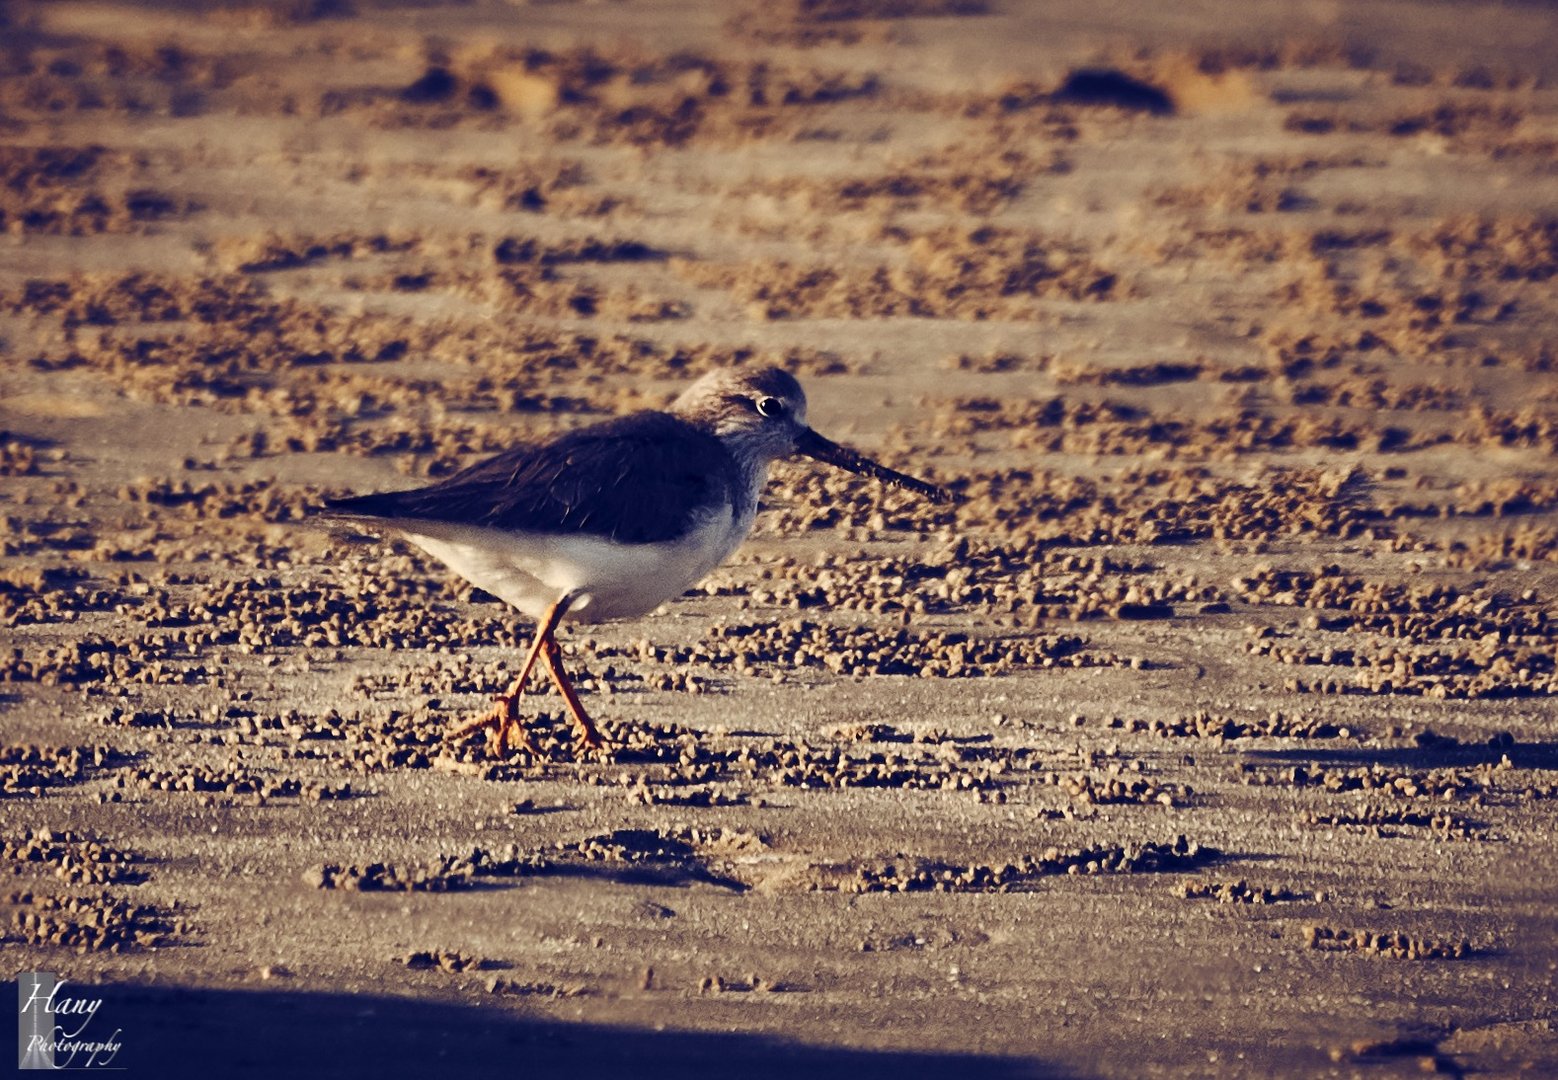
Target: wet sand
1211 733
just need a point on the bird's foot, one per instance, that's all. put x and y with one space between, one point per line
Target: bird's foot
589 738
507 727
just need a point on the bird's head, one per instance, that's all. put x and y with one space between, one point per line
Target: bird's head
760 413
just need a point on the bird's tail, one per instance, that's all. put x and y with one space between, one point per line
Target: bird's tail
358 507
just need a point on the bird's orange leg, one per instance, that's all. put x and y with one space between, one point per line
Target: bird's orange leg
504 714
589 735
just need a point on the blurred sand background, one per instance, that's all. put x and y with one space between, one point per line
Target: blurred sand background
1212 734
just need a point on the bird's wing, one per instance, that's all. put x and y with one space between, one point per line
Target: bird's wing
642 479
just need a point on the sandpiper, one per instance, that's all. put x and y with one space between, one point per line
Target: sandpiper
611 520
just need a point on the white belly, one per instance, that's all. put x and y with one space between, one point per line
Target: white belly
615 581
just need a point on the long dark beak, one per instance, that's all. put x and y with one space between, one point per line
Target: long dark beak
815 446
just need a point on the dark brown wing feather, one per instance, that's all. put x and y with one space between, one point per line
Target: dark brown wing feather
643 479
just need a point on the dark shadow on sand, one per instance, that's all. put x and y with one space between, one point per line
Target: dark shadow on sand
178 1032
1446 755
667 874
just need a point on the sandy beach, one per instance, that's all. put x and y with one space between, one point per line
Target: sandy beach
1211 732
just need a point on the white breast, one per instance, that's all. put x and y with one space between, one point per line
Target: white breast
531 571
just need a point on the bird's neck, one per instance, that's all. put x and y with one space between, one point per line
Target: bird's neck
751 476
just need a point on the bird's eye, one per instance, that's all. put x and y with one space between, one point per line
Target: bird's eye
771 407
